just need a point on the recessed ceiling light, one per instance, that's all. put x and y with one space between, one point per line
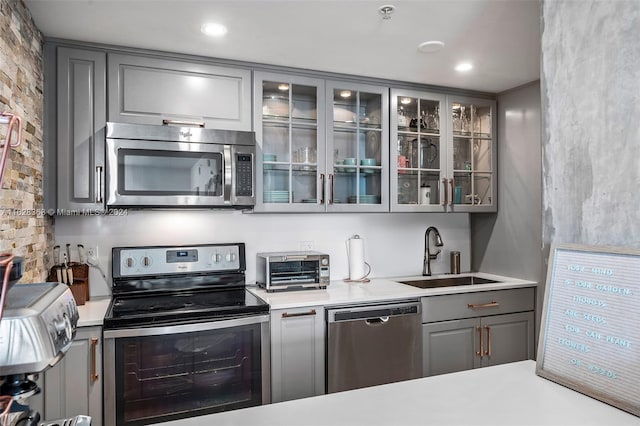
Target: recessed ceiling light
405 101
431 46
345 93
213 29
464 67
284 87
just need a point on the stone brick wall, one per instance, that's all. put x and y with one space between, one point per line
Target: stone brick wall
24 230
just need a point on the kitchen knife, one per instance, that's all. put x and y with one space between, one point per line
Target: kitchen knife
56 255
68 252
70 275
64 269
82 254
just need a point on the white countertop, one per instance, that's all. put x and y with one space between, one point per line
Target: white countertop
93 311
379 289
507 394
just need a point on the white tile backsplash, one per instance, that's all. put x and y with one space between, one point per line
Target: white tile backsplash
394 242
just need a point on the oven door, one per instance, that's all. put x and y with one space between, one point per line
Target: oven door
180 174
156 374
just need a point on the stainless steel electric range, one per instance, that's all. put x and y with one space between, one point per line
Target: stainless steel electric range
182 336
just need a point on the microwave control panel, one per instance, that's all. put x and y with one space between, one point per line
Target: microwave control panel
244 175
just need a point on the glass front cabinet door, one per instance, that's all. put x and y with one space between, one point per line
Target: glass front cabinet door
473 158
288 121
443 153
419 151
357 155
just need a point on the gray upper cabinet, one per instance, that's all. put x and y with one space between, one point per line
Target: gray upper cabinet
80 128
418 151
289 125
443 151
472 161
357 147
148 90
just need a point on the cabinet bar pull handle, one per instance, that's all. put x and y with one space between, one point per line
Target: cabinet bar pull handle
94 367
299 314
451 200
445 192
322 188
166 122
331 189
488 352
98 197
479 330
493 304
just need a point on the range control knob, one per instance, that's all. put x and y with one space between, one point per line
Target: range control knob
324 261
146 261
230 257
129 262
63 327
216 258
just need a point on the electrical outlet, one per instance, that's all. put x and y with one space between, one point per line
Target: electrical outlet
306 245
92 255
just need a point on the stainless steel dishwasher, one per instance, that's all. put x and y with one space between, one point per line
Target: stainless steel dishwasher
372 345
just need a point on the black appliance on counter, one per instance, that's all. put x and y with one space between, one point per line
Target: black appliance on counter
182 336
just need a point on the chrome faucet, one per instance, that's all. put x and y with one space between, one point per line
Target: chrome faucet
428 256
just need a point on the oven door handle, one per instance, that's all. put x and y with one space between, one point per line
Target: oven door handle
185 328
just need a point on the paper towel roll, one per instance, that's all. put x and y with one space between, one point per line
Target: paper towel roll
357 268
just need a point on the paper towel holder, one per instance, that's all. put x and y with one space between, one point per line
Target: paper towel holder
364 278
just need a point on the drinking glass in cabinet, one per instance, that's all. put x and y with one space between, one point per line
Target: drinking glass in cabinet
461 119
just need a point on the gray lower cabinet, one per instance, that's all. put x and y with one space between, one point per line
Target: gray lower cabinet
499 328
148 90
74 385
80 117
297 353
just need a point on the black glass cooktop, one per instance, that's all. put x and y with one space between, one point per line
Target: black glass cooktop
180 307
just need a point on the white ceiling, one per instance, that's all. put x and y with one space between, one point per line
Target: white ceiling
500 37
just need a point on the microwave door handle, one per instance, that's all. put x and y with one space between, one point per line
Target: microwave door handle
228 174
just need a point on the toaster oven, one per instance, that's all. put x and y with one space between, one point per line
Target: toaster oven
297 270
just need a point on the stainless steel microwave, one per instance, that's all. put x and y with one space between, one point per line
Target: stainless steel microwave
170 166
292 270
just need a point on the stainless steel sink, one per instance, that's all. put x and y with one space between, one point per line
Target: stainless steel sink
447 282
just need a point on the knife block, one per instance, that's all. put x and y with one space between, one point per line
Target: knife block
80 286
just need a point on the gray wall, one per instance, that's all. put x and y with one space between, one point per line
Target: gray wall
591 122
508 243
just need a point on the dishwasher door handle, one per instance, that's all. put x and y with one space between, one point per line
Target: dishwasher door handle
376 321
